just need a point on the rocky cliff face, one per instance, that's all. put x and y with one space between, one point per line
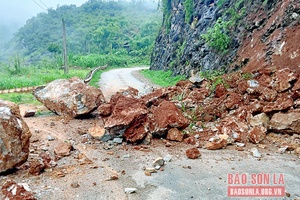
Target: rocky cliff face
260 34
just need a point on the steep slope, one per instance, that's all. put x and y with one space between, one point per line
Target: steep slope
206 34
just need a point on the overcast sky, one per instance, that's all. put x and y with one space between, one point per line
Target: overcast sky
17 12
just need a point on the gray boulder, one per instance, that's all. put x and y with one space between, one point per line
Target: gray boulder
70 97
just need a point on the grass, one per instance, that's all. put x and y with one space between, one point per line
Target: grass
162 78
34 76
20 98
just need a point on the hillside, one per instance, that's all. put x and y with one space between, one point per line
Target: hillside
227 35
96 27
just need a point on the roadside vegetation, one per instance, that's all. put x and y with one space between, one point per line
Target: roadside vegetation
162 78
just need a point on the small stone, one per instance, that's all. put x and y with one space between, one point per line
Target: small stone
113 176
63 149
157 167
126 156
75 185
193 153
118 140
50 138
150 170
36 167
168 158
158 162
222 143
147 173
175 135
240 144
29 113
253 83
282 150
257 134
255 153
106 137
97 132
130 190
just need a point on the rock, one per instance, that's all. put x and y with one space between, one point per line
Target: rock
106 137
282 149
113 176
14 137
175 135
193 153
118 140
214 145
29 113
259 120
97 132
255 153
253 83
48 162
75 185
126 156
159 162
13 190
70 97
166 115
130 190
147 173
150 170
36 167
240 144
220 90
50 138
285 122
127 112
257 134
281 103
190 140
104 109
63 149
283 79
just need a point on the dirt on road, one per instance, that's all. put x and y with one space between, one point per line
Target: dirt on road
95 170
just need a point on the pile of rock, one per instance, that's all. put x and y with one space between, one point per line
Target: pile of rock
237 107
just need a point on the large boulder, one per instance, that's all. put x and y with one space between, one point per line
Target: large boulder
70 97
128 111
14 136
166 116
285 122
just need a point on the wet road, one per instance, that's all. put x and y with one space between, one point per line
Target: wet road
116 79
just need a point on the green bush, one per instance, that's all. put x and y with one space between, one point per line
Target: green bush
188 6
217 37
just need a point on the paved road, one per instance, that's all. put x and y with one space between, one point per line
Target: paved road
116 79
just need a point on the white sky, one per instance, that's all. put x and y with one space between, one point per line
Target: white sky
17 12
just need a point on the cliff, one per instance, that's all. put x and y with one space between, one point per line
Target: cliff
229 35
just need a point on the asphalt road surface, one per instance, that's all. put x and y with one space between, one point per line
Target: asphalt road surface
116 79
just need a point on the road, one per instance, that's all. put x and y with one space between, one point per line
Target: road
116 79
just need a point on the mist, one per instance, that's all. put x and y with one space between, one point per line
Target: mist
14 14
